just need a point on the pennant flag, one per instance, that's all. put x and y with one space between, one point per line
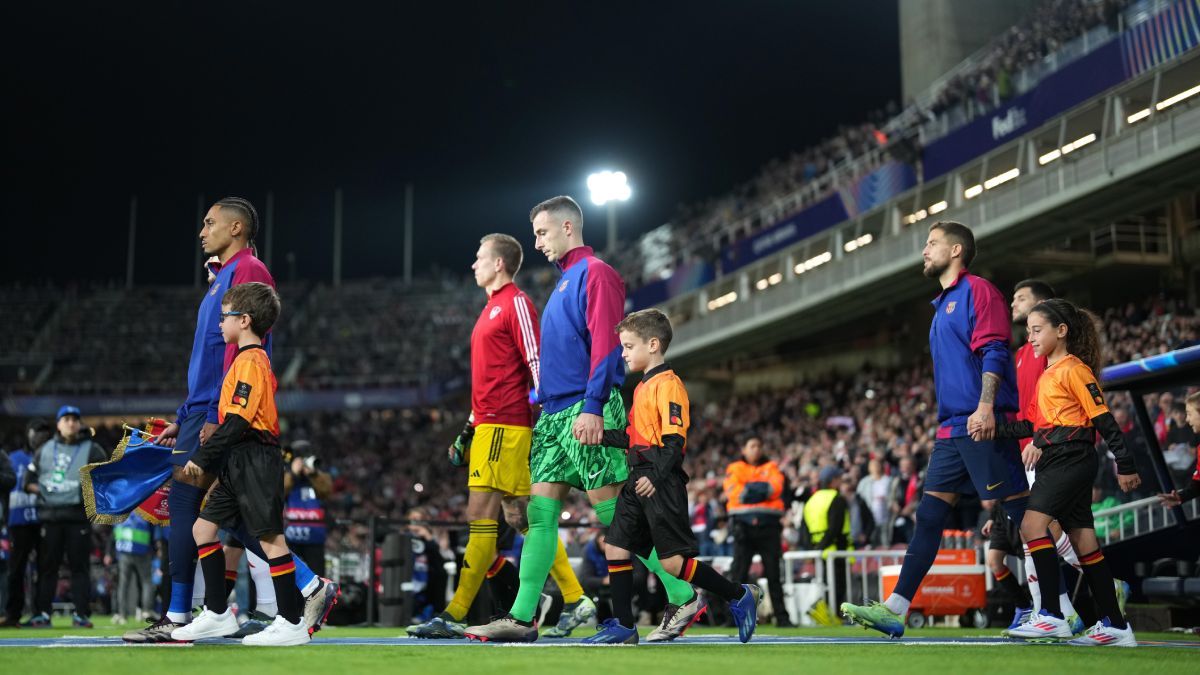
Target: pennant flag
134 478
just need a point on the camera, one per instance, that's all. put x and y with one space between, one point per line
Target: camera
312 463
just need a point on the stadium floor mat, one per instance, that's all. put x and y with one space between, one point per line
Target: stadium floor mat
97 642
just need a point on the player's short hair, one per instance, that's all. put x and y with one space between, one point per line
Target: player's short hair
1193 400
256 299
244 211
506 248
561 207
1040 289
649 323
958 234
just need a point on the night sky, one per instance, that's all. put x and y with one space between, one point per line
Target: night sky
487 108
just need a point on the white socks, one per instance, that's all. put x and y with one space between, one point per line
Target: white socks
898 604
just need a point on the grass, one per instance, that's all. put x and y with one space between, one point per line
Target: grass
887 659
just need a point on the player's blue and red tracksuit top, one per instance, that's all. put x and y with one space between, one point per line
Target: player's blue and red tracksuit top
210 355
969 336
579 343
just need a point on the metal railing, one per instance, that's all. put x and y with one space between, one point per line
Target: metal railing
1146 239
1138 517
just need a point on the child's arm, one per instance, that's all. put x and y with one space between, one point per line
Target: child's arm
616 438
1107 425
1015 429
210 455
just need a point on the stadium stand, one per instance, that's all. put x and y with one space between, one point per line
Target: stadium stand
1010 65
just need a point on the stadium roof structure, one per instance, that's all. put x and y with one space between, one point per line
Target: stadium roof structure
1178 368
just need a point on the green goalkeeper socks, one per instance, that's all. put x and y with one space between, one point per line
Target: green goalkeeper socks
537 555
679 592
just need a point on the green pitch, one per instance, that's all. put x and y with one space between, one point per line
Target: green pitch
323 655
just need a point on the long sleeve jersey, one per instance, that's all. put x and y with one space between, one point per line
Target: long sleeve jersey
504 359
578 335
211 357
969 336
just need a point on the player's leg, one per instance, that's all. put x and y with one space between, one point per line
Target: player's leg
577 607
553 472
628 531
1049 623
217 619
604 469
483 508
260 498
946 477
233 556
552 475
184 501
1112 628
319 594
671 532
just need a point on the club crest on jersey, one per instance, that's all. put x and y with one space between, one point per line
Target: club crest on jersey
950 306
563 286
494 313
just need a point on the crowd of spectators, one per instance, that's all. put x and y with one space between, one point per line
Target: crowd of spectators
876 424
787 184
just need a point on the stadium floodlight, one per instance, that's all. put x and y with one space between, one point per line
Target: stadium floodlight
610 187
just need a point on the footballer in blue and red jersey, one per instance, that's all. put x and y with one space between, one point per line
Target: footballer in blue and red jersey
210 355
578 334
970 336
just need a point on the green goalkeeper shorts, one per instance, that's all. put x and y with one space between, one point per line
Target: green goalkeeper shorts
556 457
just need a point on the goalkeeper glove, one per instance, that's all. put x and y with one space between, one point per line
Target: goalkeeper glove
461 445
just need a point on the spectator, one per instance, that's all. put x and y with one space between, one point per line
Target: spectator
53 475
307 488
754 488
828 522
874 489
24 529
133 543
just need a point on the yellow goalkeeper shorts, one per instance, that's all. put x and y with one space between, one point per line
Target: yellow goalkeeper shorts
499 459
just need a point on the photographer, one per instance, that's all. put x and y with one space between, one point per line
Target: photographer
307 488
53 475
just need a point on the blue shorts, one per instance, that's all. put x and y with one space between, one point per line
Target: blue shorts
990 469
188 440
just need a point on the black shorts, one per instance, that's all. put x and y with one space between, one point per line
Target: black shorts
1063 489
1006 535
659 522
249 491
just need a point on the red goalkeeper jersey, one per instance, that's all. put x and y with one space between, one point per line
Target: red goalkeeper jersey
504 359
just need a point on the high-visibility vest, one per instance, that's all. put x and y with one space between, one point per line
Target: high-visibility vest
741 473
816 518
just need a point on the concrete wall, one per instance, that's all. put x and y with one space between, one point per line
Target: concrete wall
936 35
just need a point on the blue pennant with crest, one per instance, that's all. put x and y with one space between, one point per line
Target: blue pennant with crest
137 469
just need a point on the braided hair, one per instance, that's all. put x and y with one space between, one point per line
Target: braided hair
245 212
1083 338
